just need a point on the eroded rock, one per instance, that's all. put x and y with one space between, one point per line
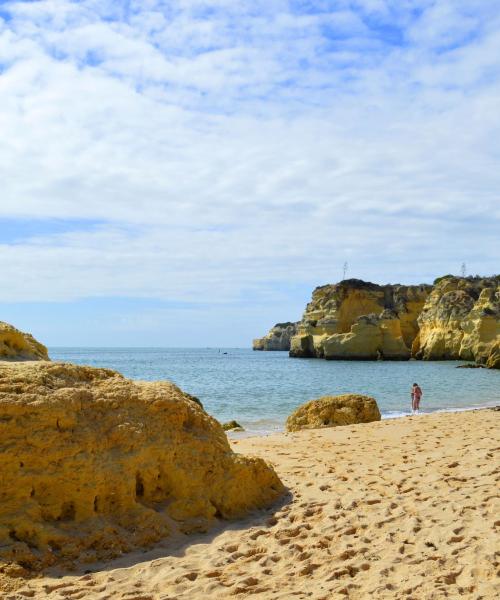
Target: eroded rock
232 426
16 345
356 320
456 318
460 320
93 465
278 337
331 411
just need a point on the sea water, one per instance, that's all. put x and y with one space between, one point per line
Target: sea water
260 389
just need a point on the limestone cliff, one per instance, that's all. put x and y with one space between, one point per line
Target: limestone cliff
93 464
354 319
460 320
16 345
278 337
456 318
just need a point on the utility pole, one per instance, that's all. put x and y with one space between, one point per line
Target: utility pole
463 269
346 266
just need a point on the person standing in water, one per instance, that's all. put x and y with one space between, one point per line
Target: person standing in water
416 394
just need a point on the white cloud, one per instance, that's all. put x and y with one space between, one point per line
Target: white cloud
230 148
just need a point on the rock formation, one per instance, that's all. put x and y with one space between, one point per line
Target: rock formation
331 411
16 345
278 337
359 320
94 465
457 318
460 320
232 426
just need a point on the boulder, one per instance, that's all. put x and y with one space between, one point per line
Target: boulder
16 345
330 411
232 426
94 465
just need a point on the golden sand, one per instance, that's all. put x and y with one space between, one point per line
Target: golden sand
404 508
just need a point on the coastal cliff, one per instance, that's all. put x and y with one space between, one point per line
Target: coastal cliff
461 320
359 320
16 345
278 337
94 465
456 318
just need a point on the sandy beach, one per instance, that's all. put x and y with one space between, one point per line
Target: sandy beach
403 508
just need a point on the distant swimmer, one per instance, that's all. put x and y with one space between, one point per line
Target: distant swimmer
416 394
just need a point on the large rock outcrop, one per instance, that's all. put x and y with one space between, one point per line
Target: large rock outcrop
16 345
354 319
93 464
460 320
456 318
278 337
331 411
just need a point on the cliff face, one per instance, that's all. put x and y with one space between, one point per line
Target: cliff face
16 345
359 320
457 318
278 337
461 320
94 465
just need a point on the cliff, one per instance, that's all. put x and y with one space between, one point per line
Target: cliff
456 318
278 337
354 319
461 320
16 345
94 465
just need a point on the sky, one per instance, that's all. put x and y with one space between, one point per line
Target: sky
185 173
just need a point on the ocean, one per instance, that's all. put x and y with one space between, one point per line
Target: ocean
260 389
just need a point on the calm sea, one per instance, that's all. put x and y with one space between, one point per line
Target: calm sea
260 389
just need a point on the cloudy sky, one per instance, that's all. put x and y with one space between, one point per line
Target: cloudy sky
184 173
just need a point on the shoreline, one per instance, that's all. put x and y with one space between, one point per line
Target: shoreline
250 433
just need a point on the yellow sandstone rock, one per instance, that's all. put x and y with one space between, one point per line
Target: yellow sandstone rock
331 411
360 320
16 345
493 360
460 320
371 337
278 337
93 464
456 318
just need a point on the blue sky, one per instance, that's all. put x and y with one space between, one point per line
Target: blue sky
185 173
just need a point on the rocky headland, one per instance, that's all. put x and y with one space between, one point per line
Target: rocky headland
94 465
456 318
278 338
